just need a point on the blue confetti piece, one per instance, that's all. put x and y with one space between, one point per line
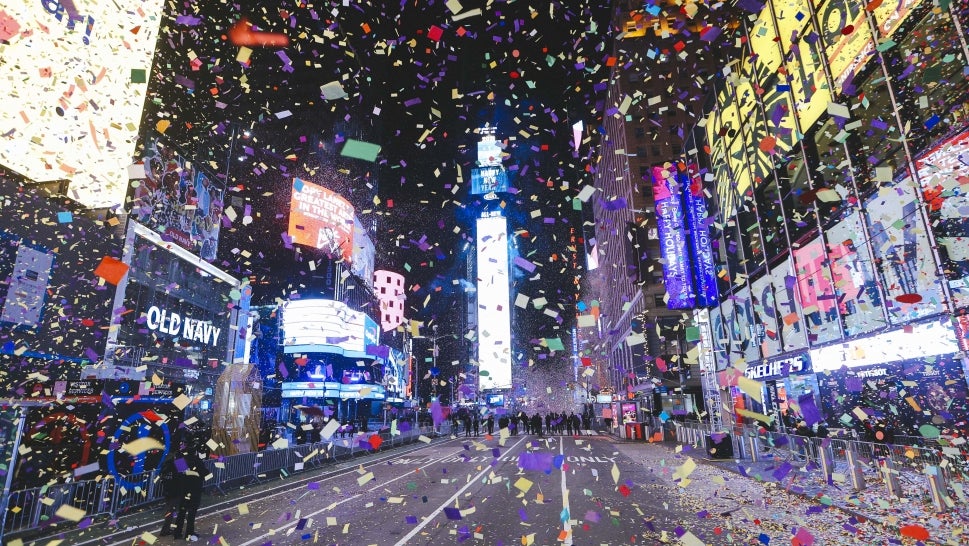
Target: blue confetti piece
65 217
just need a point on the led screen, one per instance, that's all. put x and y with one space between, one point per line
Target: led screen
494 315
75 76
859 299
816 292
919 340
325 326
364 253
178 200
793 333
903 253
488 180
765 314
944 174
27 290
695 204
320 218
489 151
677 274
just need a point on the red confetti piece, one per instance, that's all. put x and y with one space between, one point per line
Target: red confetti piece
112 270
624 490
914 531
241 34
848 30
908 298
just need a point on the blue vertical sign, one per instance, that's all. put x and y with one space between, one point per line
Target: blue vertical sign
705 272
677 273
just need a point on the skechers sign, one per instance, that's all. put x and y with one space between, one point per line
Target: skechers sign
672 238
779 369
187 328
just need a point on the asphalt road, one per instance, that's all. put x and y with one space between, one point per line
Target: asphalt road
567 490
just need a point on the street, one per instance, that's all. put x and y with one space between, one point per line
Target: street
513 490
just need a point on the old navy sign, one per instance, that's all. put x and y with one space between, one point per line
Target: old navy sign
672 238
779 369
696 216
173 324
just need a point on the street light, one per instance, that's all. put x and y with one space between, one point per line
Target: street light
433 371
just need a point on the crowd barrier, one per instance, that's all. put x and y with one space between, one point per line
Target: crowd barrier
108 496
941 472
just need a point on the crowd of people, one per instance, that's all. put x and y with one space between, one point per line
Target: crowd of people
472 423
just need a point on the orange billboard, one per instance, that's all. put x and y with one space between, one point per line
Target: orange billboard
322 219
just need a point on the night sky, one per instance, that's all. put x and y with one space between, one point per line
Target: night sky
418 83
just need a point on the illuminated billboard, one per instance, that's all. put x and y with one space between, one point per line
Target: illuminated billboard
945 184
178 200
322 219
677 274
705 270
494 298
485 180
326 326
76 77
364 253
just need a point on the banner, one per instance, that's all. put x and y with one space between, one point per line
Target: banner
677 273
704 271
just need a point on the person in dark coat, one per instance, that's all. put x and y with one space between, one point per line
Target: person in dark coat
491 424
537 424
173 483
194 479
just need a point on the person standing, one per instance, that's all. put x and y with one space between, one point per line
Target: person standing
466 421
173 483
568 424
476 423
195 475
491 424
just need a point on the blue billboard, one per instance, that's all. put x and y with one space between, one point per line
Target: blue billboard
677 273
704 270
488 179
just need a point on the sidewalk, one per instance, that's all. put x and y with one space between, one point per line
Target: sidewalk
793 496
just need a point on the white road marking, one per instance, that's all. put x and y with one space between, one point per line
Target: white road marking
439 509
567 524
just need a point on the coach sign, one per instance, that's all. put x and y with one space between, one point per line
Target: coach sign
780 368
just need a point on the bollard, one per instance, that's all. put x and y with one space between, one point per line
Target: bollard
753 447
937 488
854 470
827 461
890 475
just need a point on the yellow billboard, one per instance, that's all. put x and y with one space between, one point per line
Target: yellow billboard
75 73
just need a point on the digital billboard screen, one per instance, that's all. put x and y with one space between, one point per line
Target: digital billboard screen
77 77
486 180
677 273
705 271
494 297
942 172
321 218
364 253
178 200
326 326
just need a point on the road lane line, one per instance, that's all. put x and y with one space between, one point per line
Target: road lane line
331 506
439 509
567 524
215 509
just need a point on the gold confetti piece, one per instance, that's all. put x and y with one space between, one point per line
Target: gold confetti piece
70 513
523 484
141 445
